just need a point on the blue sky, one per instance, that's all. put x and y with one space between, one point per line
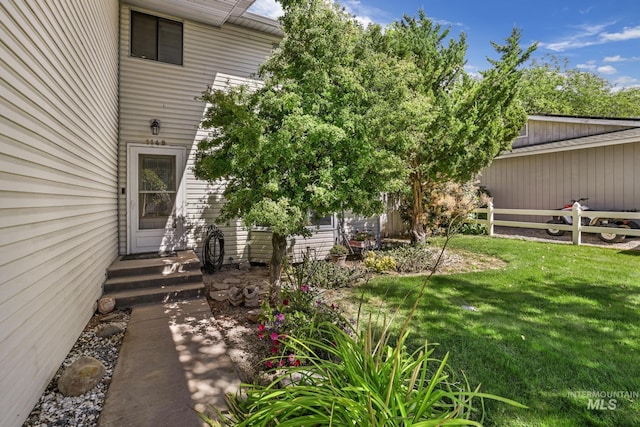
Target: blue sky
601 36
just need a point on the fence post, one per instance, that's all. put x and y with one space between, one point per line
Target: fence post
577 224
490 218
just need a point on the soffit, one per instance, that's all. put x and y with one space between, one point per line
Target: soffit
211 12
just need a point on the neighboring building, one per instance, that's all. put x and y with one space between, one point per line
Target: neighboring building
83 178
559 158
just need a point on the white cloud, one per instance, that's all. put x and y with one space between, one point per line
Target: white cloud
585 36
627 34
589 66
618 58
267 8
607 69
589 35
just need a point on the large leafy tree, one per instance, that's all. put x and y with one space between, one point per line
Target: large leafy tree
450 125
308 139
551 87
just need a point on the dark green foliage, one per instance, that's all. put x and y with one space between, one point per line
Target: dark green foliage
329 275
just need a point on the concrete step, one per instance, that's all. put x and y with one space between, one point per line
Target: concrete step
134 297
182 261
149 278
154 280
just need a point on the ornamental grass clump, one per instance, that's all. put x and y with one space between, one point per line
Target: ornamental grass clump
365 379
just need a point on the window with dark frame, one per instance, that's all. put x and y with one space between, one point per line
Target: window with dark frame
156 38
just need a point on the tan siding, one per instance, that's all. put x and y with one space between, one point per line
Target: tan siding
607 175
540 131
58 155
168 92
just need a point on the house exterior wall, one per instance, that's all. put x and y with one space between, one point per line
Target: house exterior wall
58 157
546 129
150 90
317 245
608 175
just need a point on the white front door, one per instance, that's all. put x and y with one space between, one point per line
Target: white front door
155 198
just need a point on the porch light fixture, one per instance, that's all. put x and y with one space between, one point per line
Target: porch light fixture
155 127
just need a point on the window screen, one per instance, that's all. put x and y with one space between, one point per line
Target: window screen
156 38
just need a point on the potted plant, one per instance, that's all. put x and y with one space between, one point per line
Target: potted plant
338 254
362 239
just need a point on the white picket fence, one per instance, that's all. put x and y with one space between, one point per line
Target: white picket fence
576 228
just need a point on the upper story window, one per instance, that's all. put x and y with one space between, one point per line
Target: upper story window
156 38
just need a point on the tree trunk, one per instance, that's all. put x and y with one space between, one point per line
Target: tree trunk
279 249
418 234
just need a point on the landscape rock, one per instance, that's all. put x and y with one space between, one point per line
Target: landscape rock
219 295
220 286
106 305
81 376
235 296
108 330
110 317
232 281
251 294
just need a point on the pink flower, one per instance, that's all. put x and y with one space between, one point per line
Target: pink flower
296 363
292 358
281 317
269 364
261 327
274 350
274 336
304 288
285 302
260 335
281 362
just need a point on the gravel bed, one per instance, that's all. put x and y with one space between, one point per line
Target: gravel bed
54 409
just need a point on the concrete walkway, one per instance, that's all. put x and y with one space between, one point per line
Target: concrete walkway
172 363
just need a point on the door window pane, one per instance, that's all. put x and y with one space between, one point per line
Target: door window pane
156 191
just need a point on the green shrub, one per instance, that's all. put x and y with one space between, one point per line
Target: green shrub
329 275
298 313
414 259
473 229
379 263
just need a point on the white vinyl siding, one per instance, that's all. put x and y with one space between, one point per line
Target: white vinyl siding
58 160
318 245
167 92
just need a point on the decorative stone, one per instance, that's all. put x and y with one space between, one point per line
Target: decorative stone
232 281
108 330
251 294
81 376
244 266
220 286
235 296
219 295
106 305
110 317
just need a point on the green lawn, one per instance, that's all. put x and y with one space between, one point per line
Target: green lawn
556 323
